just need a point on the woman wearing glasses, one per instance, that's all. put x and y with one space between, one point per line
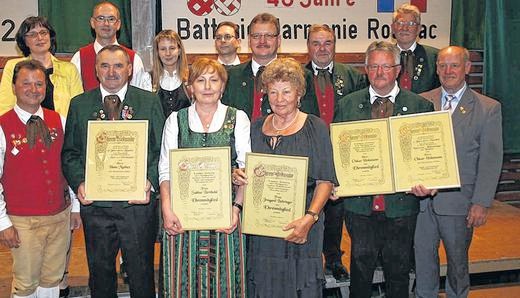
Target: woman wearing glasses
170 71
36 39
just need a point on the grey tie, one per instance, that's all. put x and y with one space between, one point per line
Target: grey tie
447 104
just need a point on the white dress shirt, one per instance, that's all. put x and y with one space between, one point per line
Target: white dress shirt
24 116
140 77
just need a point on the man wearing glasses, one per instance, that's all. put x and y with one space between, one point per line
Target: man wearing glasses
244 87
381 225
106 22
418 71
227 42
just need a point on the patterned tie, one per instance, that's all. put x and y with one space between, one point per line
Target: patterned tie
36 129
447 104
381 108
407 60
323 78
258 78
111 104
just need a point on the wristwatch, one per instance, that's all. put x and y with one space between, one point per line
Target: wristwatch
314 215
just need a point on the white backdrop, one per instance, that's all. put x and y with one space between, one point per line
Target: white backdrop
359 21
12 14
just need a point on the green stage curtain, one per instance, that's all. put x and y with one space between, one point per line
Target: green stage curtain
467 27
502 65
71 20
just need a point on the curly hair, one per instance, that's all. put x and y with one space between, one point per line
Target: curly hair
285 70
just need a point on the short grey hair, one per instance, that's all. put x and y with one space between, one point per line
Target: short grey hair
384 46
407 9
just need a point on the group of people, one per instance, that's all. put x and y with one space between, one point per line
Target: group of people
267 105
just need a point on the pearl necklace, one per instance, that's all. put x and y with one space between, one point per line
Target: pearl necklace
278 130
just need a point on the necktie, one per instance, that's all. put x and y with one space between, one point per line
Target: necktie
380 107
407 61
36 129
447 104
258 78
323 79
111 104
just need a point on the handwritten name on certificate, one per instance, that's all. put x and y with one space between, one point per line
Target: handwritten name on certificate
275 194
200 187
392 155
116 160
362 157
424 152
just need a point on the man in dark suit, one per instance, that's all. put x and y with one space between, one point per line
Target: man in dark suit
244 87
332 81
381 224
109 226
418 72
451 214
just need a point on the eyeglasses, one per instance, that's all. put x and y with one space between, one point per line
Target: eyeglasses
109 19
34 34
403 23
267 36
226 37
385 67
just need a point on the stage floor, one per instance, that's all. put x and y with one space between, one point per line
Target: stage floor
495 247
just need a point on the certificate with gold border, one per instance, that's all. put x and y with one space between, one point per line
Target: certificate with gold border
200 187
362 157
275 194
424 152
116 160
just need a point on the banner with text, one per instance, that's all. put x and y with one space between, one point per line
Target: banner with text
356 23
11 16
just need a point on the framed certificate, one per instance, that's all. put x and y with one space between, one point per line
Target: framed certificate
362 157
116 160
200 187
392 155
424 152
275 194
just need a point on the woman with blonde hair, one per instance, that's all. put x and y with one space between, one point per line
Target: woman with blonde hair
170 71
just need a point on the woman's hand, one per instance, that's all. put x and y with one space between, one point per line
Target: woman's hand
234 222
301 228
171 222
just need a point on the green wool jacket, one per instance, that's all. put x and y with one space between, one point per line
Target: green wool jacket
87 106
239 92
345 79
356 106
425 70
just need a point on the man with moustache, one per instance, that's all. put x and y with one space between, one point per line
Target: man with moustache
35 212
332 81
244 88
418 72
106 21
451 214
109 226
381 224
227 42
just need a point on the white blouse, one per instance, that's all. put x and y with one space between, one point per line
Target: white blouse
171 132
